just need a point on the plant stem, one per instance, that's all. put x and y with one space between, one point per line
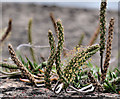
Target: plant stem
6 65
30 39
102 30
7 31
50 60
20 65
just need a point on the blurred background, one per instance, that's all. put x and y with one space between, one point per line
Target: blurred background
77 17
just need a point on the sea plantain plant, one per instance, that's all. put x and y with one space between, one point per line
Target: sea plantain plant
78 73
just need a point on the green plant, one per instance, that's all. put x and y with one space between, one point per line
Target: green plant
20 65
76 73
108 49
102 30
50 60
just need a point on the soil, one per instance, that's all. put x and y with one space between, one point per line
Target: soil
75 21
15 88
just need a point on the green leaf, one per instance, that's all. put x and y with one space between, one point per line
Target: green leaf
27 66
30 63
118 71
89 64
35 64
53 67
114 75
38 67
22 60
110 75
110 86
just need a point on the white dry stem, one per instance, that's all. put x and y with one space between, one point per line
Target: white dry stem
32 46
82 89
58 88
12 73
37 81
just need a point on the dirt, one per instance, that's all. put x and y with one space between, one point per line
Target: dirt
15 88
75 21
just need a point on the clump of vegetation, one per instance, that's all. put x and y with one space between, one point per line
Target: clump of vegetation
75 74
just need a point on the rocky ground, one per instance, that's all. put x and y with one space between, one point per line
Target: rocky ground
75 21
15 88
